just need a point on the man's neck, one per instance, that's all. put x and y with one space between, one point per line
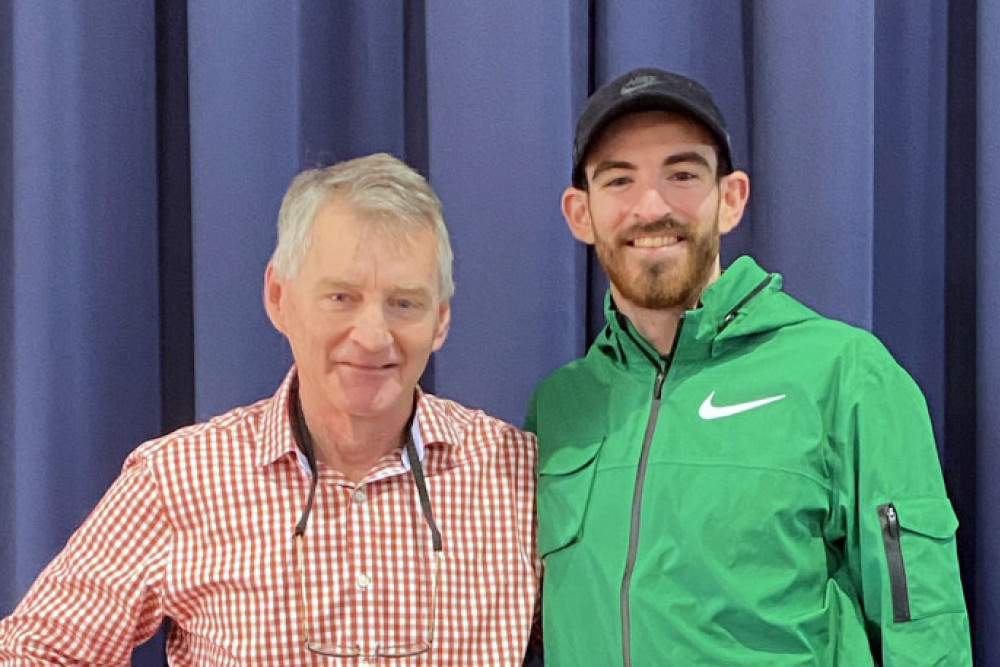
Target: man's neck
656 326
353 445
659 325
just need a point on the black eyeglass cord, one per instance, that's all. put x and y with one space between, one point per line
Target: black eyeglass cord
303 440
425 502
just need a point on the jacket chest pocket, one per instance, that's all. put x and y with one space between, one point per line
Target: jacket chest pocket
565 482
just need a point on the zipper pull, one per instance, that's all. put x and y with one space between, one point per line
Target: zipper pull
730 316
658 386
892 519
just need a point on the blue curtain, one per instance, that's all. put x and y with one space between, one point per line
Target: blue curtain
144 148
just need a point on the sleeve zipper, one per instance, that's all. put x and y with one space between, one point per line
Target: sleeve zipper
889 520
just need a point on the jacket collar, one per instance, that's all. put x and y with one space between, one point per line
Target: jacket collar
723 303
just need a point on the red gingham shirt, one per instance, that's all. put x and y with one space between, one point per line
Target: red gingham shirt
199 525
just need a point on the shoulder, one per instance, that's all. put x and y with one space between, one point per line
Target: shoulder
474 441
230 434
846 341
463 423
569 408
853 357
578 375
573 389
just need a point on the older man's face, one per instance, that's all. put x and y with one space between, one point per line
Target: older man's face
362 316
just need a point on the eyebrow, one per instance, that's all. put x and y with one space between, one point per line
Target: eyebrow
606 165
687 156
330 282
407 289
413 290
676 158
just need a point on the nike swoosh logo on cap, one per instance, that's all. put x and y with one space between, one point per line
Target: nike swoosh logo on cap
637 83
709 411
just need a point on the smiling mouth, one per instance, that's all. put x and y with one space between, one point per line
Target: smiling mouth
655 241
370 368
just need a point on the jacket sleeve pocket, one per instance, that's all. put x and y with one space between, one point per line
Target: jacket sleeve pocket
565 480
919 539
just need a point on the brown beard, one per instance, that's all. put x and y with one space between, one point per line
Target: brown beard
661 285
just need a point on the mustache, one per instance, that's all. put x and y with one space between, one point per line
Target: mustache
665 226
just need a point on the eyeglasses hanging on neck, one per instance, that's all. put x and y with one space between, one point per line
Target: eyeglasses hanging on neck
426 640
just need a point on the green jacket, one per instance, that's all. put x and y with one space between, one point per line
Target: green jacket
768 494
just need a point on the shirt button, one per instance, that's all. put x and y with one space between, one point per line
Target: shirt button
365 663
363 581
359 495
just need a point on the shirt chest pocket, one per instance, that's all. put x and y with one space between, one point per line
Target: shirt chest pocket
565 483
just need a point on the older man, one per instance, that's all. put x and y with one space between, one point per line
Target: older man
351 515
727 478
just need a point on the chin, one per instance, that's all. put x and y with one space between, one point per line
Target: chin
377 403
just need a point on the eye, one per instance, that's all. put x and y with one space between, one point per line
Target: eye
338 300
683 176
406 305
617 181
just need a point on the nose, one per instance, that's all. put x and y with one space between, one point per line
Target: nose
651 204
371 330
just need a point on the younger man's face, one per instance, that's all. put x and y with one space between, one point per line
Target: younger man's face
653 209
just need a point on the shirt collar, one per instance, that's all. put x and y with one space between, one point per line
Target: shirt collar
404 456
432 425
275 439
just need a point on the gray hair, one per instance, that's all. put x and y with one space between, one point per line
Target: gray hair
380 187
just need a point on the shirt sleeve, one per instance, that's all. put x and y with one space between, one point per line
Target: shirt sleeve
901 526
100 596
531 418
525 448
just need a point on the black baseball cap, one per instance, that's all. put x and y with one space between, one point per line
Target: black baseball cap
647 89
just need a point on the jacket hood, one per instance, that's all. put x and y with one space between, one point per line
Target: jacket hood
745 301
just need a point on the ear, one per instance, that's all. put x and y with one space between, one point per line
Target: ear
576 210
734 190
443 326
274 289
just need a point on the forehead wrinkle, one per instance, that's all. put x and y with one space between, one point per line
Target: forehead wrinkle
398 245
405 241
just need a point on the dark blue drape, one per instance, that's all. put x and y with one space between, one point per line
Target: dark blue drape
984 515
144 148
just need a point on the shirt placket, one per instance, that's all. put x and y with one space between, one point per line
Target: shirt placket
374 559
360 580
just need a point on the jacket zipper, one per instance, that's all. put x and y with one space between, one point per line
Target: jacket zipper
734 311
640 479
889 520
640 476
